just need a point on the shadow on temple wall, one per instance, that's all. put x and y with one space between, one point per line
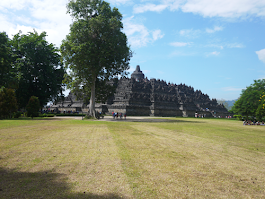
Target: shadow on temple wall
45 184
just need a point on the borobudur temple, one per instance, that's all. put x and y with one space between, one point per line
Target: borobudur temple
139 96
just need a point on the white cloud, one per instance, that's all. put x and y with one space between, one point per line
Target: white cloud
149 7
170 4
146 71
157 35
160 72
14 4
50 10
131 70
261 55
226 45
138 35
24 29
5 24
225 8
216 46
174 4
118 2
235 45
26 20
209 8
215 29
189 33
181 54
215 53
231 88
42 15
180 44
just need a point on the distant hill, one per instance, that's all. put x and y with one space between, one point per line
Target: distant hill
227 103
230 102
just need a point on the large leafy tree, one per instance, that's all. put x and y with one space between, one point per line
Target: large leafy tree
251 100
7 71
40 71
95 50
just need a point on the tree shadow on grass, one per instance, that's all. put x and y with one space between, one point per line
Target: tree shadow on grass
38 118
45 184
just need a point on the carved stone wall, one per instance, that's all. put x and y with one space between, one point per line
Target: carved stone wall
158 98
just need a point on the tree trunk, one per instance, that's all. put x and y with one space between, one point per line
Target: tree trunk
92 99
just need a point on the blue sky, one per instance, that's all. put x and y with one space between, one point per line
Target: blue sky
217 46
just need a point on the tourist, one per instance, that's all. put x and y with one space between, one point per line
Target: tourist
244 122
125 116
120 115
262 123
113 114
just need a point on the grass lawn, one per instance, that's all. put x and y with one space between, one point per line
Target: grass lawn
181 158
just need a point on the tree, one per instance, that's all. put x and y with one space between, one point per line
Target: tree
95 50
40 71
7 72
251 100
33 107
8 103
260 112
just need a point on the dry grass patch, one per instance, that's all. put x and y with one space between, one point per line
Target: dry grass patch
73 160
184 158
201 158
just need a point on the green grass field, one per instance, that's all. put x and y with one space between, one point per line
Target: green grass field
181 158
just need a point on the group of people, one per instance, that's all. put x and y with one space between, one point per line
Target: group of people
200 115
249 122
117 115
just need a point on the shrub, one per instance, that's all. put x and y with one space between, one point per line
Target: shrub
17 114
70 114
88 117
239 117
33 107
46 115
8 103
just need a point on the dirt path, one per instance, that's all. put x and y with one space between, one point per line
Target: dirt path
128 119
